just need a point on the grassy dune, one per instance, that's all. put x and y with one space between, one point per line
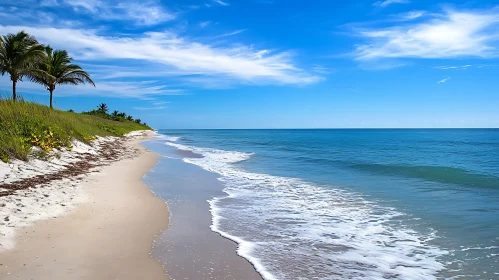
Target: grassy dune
27 124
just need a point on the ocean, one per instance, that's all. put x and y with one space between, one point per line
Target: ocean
355 203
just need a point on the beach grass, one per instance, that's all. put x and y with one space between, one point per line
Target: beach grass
26 124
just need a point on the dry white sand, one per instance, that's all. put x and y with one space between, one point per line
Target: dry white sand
106 220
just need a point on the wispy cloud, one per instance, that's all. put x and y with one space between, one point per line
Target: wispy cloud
231 33
143 13
203 24
411 15
177 54
320 69
460 67
448 35
443 81
389 2
48 3
89 5
464 67
149 108
147 13
23 15
377 65
119 89
221 2
160 103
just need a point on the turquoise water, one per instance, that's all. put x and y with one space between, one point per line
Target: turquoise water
357 204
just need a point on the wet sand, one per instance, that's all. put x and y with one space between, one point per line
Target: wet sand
108 237
188 248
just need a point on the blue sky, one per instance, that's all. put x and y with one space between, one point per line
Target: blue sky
274 63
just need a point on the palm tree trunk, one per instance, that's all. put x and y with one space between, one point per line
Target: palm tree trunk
51 91
14 95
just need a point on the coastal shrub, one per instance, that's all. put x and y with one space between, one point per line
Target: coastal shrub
115 116
27 124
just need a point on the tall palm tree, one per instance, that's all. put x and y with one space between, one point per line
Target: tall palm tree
18 55
57 69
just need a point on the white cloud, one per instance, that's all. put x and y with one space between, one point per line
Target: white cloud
221 2
319 69
389 2
203 24
48 3
89 5
143 13
160 103
443 81
149 108
464 67
119 89
411 15
133 89
176 54
460 67
21 15
449 35
231 33
146 13
381 65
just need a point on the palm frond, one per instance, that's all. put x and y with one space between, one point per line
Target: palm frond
18 52
78 75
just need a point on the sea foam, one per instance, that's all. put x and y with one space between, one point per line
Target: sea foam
169 138
291 229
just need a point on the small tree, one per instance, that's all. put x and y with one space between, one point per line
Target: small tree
138 121
129 118
115 113
103 108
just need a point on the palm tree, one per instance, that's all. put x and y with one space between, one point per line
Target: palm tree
56 69
115 113
129 118
102 108
18 55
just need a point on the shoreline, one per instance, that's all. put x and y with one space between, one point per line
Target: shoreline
108 232
189 248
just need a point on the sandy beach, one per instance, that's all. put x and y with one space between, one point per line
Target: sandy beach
103 229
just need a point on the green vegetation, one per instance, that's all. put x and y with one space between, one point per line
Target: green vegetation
22 56
27 124
102 111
